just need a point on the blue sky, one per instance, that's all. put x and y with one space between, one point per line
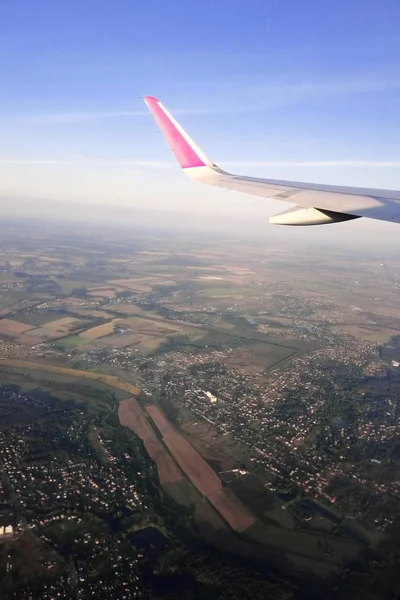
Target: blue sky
304 90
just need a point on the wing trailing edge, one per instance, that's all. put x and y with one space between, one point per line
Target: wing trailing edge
322 204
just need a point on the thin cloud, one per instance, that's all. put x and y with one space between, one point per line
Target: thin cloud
319 163
80 117
229 98
239 97
154 164
151 164
271 95
68 118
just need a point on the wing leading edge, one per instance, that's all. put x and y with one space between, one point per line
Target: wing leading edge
316 203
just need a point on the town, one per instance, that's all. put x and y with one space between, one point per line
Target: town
55 481
156 392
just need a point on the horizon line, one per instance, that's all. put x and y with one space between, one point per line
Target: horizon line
154 164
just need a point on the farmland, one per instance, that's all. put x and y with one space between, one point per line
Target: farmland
175 457
36 328
10 327
131 415
201 475
110 380
238 365
100 331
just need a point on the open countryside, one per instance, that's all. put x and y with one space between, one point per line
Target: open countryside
212 368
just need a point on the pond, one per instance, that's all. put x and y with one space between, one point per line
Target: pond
153 542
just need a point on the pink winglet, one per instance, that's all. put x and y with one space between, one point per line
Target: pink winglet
181 145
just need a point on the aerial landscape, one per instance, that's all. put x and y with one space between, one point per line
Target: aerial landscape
175 411
199 358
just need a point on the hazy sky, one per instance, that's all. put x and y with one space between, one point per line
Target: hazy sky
304 90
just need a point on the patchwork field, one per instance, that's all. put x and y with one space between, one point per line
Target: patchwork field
198 471
39 319
40 329
143 341
257 357
45 333
131 415
201 474
110 380
157 325
98 396
145 332
62 325
199 301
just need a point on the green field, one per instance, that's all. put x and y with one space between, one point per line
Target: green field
70 342
7 302
40 318
219 291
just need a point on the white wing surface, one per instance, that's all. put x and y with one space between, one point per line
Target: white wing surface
316 204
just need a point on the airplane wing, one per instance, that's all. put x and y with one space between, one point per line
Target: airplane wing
316 204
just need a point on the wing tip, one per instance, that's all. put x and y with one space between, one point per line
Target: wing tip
187 153
150 99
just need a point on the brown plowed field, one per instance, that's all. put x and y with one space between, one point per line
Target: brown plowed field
198 471
28 340
62 325
11 327
201 474
99 331
131 415
44 333
231 509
